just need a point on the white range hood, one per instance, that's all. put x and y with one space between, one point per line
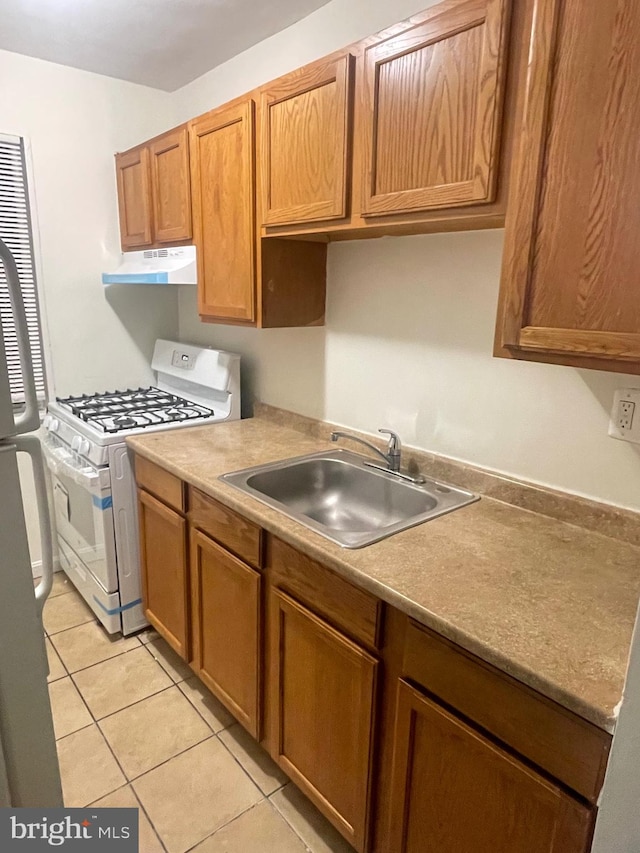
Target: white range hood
173 265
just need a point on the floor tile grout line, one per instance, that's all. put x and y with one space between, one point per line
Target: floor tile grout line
264 799
137 779
129 783
124 707
246 772
291 827
82 699
95 663
140 808
213 734
115 790
78 598
286 819
171 757
81 729
226 823
198 711
70 627
144 811
237 760
159 661
99 720
95 725
62 663
115 757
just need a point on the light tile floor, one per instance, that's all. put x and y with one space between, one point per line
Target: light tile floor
136 728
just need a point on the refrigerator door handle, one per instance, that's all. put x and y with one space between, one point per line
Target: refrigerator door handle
29 420
30 444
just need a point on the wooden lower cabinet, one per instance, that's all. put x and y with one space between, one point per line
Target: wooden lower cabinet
322 695
227 628
369 713
165 576
455 791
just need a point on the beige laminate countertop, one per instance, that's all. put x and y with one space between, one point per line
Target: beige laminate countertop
548 602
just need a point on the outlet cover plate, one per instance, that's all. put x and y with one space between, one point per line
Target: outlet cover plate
625 415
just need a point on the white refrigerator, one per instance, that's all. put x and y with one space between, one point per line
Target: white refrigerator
29 774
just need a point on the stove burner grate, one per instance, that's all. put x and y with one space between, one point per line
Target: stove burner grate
133 409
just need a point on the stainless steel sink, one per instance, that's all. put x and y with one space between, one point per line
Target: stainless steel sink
339 496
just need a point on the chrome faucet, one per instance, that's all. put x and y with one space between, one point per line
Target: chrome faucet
394 448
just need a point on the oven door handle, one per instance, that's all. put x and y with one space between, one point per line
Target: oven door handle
31 445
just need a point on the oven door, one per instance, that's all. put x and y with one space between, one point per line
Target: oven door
82 506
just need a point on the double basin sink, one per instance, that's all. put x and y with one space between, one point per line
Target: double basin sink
341 496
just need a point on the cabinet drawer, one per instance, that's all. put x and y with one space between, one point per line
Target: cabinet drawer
346 606
566 746
240 536
160 483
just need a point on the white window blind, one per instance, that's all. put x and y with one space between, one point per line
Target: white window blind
15 230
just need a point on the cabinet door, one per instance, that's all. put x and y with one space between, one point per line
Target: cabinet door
228 627
572 254
165 579
306 127
134 198
454 791
171 186
432 111
322 710
223 188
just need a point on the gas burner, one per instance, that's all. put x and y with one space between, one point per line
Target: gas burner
124 422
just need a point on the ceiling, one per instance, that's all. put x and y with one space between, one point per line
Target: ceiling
159 43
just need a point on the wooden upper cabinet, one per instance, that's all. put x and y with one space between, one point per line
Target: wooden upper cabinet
223 190
171 188
431 110
154 192
134 198
305 143
572 253
454 791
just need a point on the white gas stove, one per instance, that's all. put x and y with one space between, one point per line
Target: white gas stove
93 484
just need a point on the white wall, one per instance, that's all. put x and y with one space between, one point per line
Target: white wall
329 28
74 122
410 323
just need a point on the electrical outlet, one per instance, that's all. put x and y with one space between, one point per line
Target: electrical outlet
626 410
625 415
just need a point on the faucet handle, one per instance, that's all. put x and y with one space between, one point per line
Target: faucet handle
394 440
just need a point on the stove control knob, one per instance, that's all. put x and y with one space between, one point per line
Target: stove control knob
53 425
85 446
75 442
46 421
